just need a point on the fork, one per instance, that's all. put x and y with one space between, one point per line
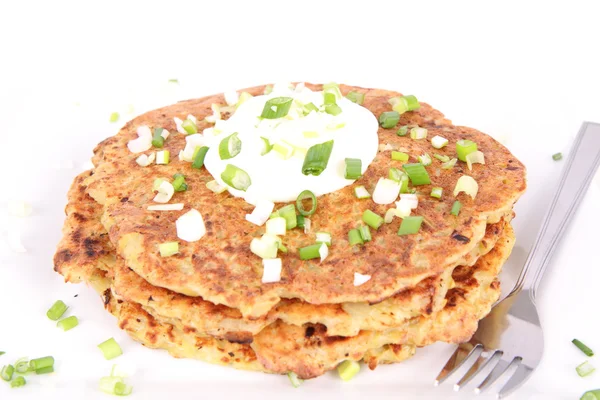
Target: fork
509 342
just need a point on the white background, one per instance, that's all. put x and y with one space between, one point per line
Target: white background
525 72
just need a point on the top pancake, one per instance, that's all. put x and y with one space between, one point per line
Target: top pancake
221 269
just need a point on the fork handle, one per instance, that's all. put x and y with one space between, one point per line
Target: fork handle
578 172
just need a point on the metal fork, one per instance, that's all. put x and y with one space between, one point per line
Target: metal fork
509 342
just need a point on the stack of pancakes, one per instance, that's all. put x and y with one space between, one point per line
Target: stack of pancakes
208 301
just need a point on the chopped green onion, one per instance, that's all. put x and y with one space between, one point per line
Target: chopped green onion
418 133
45 370
410 225
173 81
199 156
168 249
6 373
557 156
18 382
348 369
591 395
179 183
329 98
324 237
365 233
310 252
333 109
585 369
316 158
276 226
403 131
372 219
308 108
442 158
57 310
110 349
299 221
468 185
244 96
157 183
289 213
265 247
456 208
395 174
354 237
332 88
438 142
114 117
68 323
230 147
284 149
464 148
189 127
449 164
424 159
475 157
121 389
22 366
356 97
404 184
436 192
403 104
310 134
268 89
162 157
296 382
236 177
417 173
40 363
361 192
214 187
157 139
277 107
267 147
2 353
353 168
586 350
306 194
389 119
399 156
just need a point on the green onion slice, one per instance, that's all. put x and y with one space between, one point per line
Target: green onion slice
356 97
296 382
230 147
361 192
110 349
456 208
399 156
323 237
114 117
267 146
189 127
403 104
199 156
410 225
585 369
425 159
157 139
265 247
436 192
468 185
68 323
354 237
333 109
179 183
418 133
168 249
310 252
475 157
449 164
163 157
214 187
22 366
586 350
389 119
277 107
45 370
236 177
404 184
417 173
316 158
289 213
395 174
308 108
2 353
18 382
442 158
438 142
57 310
591 395
6 373
557 156
372 219
284 149
464 148
403 131
40 363
304 195
365 233
353 168
348 369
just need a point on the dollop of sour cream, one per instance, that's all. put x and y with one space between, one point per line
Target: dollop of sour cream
353 131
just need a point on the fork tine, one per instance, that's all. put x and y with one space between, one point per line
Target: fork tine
498 370
481 364
517 379
455 362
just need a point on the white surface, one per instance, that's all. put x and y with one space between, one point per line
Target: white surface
524 72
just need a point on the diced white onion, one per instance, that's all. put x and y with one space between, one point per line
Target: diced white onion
145 160
143 141
389 215
307 224
271 270
166 207
214 187
361 192
360 279
216 115
231 97
411 199
162 157
403 209
468 185
323 237
438 142
193 119
165 134
386 191
323 252
190 226
144 131
475 157
178 124
165 192
191 143
19 208
261 212
276 226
